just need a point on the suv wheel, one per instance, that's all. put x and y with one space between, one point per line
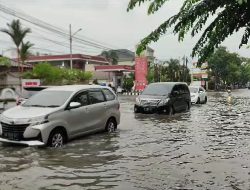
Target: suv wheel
205 101
111 126
57 138
198 101
136 110
187 107
171 111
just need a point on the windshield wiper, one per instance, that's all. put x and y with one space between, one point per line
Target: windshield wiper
36 105
52 106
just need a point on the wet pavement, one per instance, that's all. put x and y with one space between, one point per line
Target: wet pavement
206 148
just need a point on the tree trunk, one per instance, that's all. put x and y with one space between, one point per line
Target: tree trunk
18 59
19 69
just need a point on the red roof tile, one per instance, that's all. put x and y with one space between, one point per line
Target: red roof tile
98 59
114 68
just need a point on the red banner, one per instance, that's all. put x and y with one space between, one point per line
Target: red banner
141 71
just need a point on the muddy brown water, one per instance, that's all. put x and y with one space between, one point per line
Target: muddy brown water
206 148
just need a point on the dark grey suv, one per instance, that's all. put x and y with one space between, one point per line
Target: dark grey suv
164 97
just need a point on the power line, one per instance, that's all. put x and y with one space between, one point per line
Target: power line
47 26
62 44
51 28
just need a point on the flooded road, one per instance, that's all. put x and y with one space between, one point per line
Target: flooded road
206 148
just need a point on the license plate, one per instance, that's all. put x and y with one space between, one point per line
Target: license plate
146 109
11 136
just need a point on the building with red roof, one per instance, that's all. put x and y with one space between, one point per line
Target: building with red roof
79 61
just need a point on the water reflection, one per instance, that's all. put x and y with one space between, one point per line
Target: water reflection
81 163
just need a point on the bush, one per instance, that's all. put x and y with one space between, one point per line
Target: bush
5 62
128 84
50 75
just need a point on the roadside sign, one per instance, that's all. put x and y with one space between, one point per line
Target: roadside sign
30 82
204 76
141 70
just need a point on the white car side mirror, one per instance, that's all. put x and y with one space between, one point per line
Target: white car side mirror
73 105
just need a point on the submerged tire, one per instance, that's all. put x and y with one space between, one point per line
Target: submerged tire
171 111
136 110
57 138
205 101
198 101
111 126
187 107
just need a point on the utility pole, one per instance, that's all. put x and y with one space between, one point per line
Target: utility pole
184 73
70 42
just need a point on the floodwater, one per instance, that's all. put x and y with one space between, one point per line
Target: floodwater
206 148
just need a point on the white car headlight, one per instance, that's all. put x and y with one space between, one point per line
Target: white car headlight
138 101
163 102
4 119
38 120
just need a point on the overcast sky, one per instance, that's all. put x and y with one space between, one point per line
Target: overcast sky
104 21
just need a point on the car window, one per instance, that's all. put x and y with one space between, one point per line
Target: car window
176 88
193 89
48 99
182 89
27 92
186 90
96 96
82 98
200 89
109 95
157 89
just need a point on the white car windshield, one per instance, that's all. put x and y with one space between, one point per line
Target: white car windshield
193 89
48 99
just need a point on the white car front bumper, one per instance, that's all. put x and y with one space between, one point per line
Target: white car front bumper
194 99
27 143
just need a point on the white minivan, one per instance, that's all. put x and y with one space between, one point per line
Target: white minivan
198 95
57 114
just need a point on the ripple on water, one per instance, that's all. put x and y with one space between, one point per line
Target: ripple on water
206 148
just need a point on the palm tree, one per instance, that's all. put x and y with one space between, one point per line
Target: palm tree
111 56
106 55
25 52
173 70
17 34
114 57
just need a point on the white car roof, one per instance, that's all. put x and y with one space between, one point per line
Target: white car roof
73 88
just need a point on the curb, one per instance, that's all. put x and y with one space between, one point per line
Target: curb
130 93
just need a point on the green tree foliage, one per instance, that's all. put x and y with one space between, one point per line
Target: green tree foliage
170 71
111 56
228 68
173 70
226 16
17 34
25 51
51 75
245 72
5 62
128 83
